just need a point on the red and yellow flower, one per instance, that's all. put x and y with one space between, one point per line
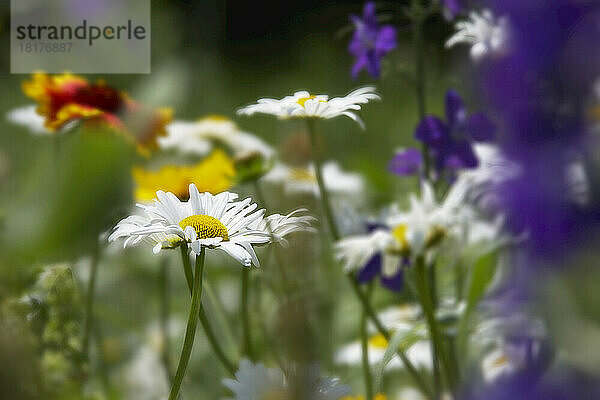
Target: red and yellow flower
66 98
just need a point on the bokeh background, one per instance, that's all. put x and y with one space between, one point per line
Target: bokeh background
208 57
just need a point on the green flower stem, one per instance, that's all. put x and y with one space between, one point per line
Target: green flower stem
163 282
210 335
244 304
187 266
364 301
364 343
326 205
89 301
420 83
435 362
190 331
424 290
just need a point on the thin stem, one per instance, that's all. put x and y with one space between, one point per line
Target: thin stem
89 302
322 190
364 342
366 305
210 335
417 35
214 343
163 282
281 266
434 356
244 304
187 266
364 301
190 331
435 332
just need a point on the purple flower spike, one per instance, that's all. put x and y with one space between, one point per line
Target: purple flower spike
406 162
370 42
450 142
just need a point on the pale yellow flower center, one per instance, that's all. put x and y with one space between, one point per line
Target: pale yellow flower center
302 174
399 233
378 396
205 226
500 361
378 341
305 99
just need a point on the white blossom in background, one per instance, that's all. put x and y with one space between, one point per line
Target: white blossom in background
256 382
485 33
27 117
412 232
304 105
302 180
199 137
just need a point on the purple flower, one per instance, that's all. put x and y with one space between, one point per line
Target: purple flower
370 42
540 92
372 269
406 162
564 384
450 142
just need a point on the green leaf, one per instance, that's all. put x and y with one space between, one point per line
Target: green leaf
402 339
481 275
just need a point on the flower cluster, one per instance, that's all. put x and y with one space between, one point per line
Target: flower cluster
446 292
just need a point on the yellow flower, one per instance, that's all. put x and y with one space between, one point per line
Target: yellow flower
214 174
378 396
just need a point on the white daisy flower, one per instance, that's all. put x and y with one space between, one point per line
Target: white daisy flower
198 137
210 221
496 364
302 104
578 182
507 342
407 234
484 32
27 117
302 180
494 168
256 382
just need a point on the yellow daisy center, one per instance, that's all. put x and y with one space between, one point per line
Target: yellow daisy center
305 99
378 396
205 226
500 361
378 341
399 233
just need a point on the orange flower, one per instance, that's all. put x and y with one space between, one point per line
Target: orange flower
66 98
